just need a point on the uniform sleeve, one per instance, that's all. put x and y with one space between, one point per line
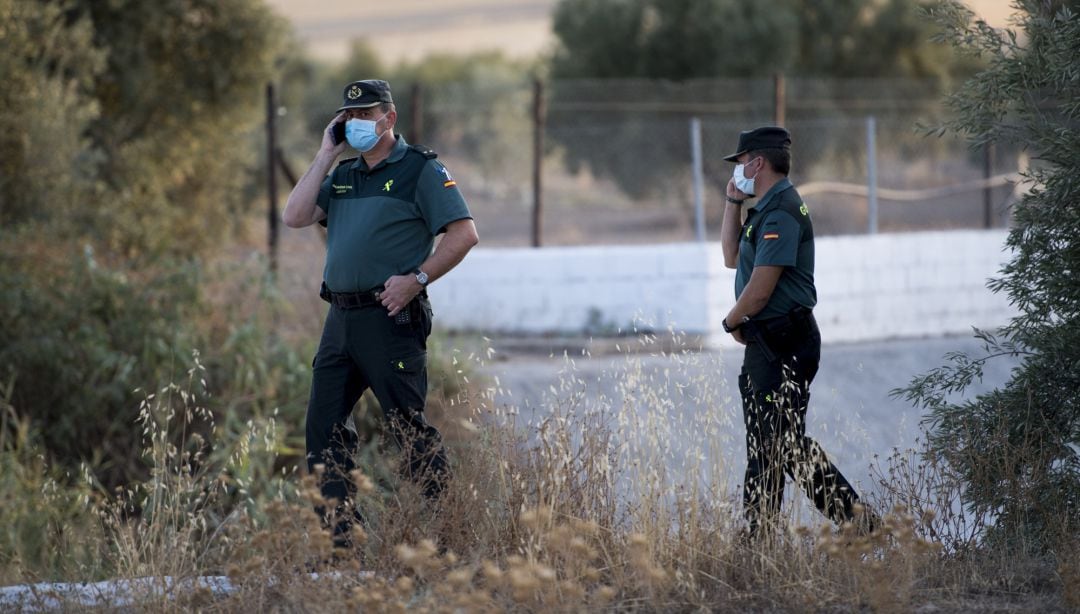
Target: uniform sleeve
439 199
778 240
323 201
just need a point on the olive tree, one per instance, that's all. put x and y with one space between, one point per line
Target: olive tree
1016 448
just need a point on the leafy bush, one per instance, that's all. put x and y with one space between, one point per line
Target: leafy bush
78 337
1017 448
123 163
48 62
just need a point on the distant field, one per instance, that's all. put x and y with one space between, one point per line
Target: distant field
410 29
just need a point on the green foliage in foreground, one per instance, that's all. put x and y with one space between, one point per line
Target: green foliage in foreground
128 121
1017 448
125 163
79 337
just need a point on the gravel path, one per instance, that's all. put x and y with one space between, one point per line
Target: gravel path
687 401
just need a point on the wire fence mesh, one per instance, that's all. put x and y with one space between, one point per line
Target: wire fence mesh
616 163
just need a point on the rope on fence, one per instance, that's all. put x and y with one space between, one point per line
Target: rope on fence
855 189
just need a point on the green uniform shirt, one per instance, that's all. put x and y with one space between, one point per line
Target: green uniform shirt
383 221
778 232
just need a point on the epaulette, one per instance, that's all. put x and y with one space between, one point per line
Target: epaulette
425 151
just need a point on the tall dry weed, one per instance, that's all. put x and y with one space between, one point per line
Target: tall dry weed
589 502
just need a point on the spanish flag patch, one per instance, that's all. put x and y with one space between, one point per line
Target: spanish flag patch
770 235
449 184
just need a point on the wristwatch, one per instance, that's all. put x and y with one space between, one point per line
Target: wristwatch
421 277
734 201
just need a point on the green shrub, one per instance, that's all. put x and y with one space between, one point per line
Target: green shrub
79 337
1017 447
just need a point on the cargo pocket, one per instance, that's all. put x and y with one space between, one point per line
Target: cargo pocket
407 386
408 365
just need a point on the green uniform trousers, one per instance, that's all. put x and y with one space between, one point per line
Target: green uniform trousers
365 348
780 361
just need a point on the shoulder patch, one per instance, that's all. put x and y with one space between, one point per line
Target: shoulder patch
425 151
447 179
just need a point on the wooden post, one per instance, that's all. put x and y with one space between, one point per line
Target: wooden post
291 177
779 99
416 113
271 176
538 162
988 191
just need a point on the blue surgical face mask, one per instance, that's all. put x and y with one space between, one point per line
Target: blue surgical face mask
362 134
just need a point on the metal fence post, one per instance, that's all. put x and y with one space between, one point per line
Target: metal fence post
271 176
698 177
871 175
538 162
988 191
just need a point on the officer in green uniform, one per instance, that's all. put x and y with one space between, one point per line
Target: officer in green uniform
383 211
773 254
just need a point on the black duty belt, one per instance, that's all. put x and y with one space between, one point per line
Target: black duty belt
762 332
796 317
355 300
350 300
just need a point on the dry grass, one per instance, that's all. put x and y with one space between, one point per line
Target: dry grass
592 505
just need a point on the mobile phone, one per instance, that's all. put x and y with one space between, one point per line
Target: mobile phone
337 133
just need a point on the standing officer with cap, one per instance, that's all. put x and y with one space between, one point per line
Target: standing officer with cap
382 211
773 252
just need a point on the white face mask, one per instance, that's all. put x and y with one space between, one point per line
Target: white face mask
742 183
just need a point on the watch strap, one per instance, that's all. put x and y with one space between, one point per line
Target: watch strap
421 277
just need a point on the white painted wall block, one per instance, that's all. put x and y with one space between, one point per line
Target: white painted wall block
869 287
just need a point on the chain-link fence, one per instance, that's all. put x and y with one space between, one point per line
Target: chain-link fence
617 159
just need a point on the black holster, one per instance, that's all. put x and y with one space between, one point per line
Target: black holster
752 334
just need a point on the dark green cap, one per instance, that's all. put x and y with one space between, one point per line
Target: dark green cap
765 137
365 94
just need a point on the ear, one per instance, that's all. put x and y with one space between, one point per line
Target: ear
391 119
761 166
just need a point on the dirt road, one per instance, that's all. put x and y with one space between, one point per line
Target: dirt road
686 405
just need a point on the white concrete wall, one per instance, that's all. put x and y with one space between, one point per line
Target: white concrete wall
869 287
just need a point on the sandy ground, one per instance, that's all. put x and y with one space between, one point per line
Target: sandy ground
410 29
